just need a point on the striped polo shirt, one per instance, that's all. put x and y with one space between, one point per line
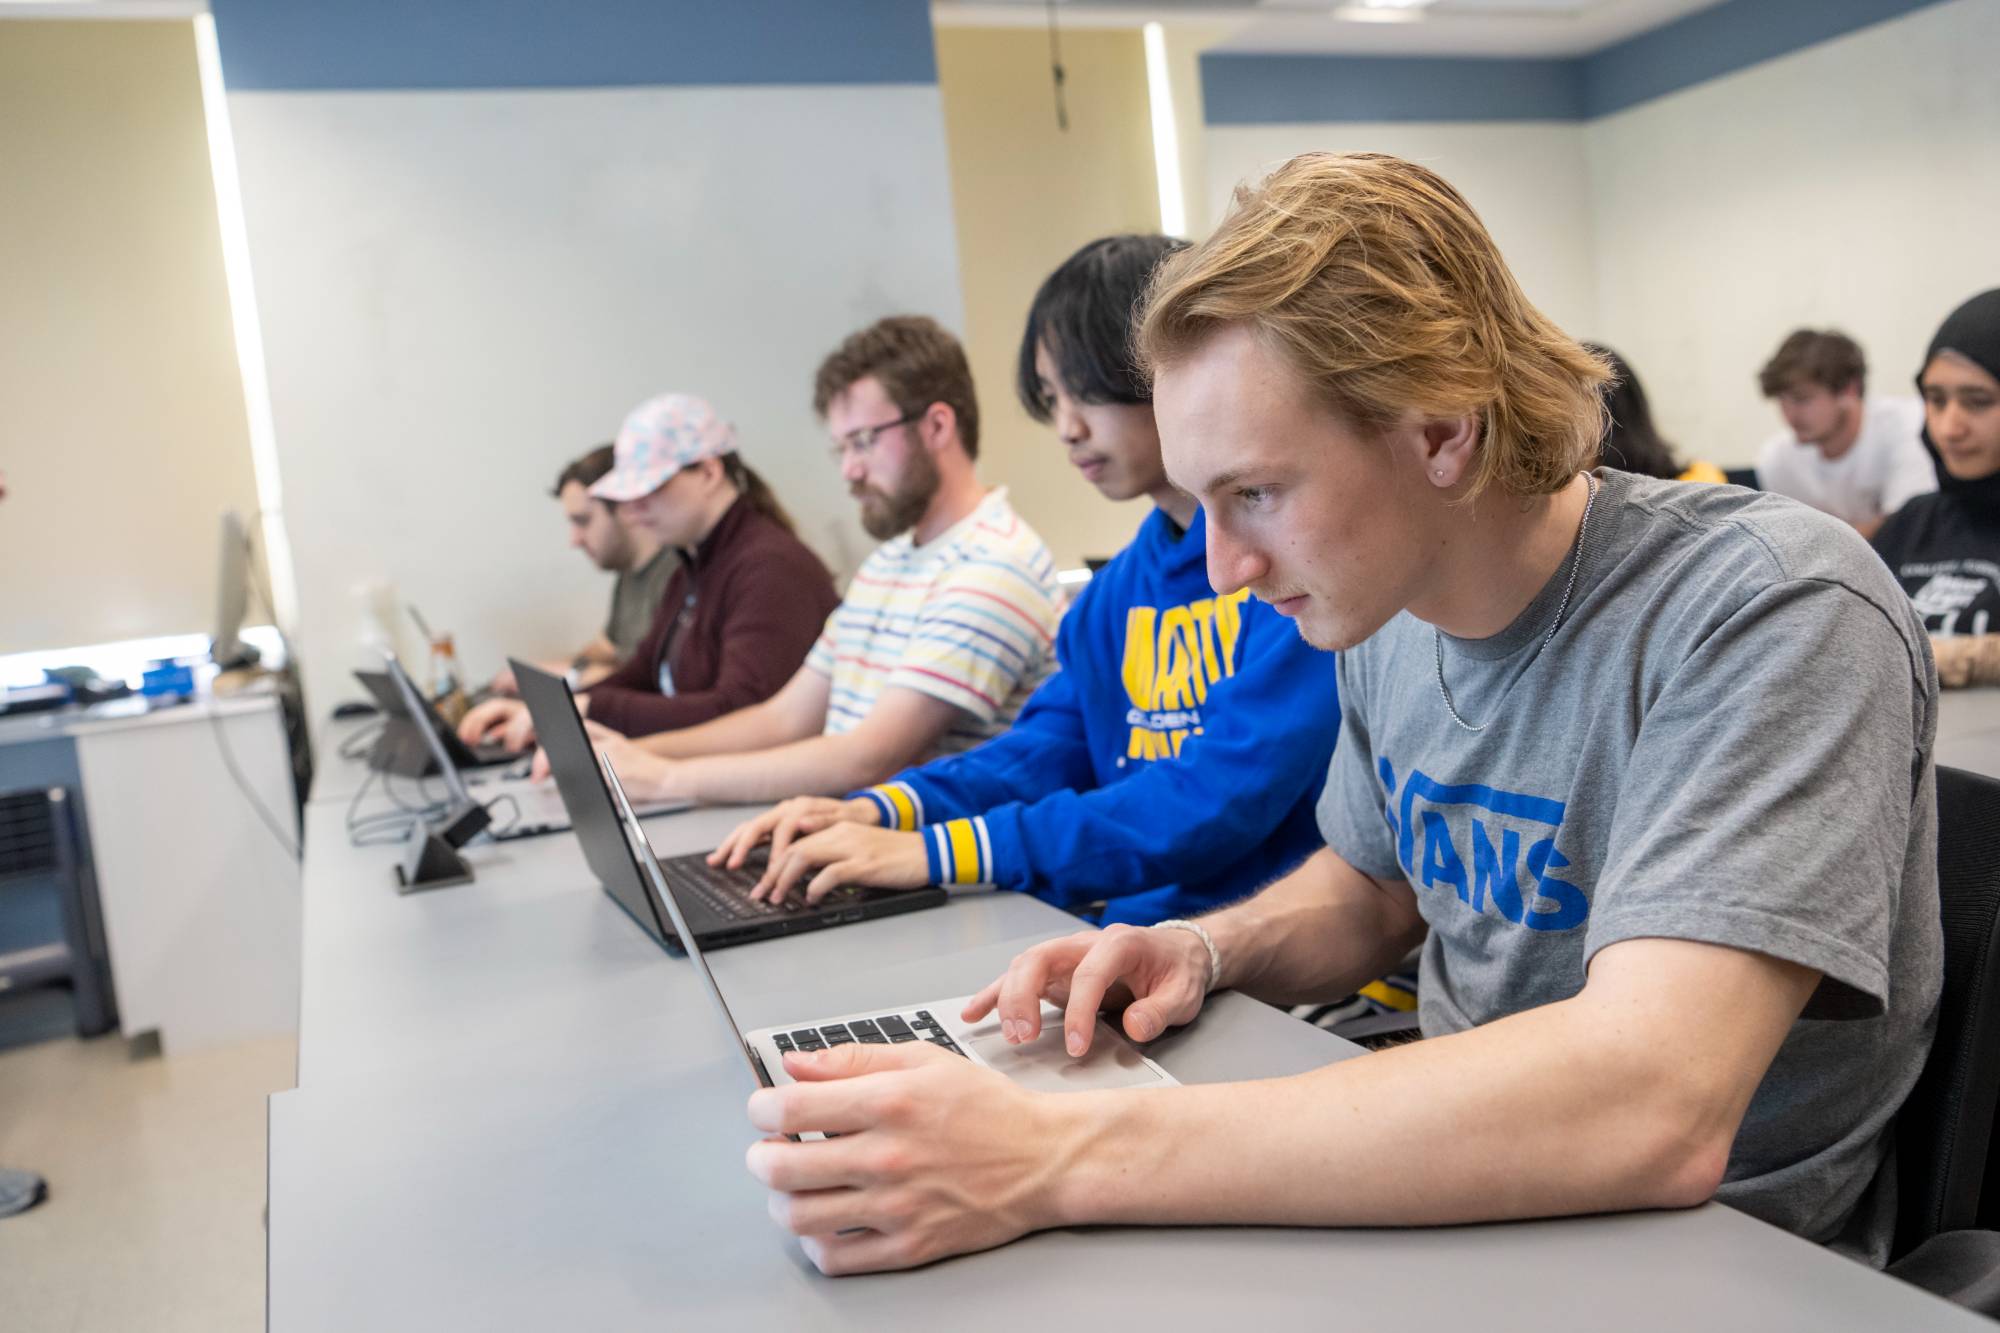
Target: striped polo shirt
969 617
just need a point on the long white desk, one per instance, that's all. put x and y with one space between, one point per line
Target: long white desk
531 966
1968 734
516 1112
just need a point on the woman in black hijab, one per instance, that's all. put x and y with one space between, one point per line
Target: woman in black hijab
1945 547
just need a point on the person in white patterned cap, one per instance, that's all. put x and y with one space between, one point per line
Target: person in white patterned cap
740 611
945 630
639 566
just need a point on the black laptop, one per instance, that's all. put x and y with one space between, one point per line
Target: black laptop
402 750
716 899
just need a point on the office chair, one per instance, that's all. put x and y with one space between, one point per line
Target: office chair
1947 1178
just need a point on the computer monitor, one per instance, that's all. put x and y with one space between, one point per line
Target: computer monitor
232 596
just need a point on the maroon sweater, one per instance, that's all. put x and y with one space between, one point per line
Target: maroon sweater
737 620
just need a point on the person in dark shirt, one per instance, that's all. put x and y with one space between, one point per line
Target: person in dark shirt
738 615
1945 547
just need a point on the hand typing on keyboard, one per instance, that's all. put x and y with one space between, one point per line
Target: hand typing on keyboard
786 820
845 854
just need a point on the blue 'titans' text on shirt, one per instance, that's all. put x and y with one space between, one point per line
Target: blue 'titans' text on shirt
1478 840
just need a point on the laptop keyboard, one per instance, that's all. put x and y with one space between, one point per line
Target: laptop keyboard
727 892
890 1029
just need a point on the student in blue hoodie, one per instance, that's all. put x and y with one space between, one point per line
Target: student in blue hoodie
1173 763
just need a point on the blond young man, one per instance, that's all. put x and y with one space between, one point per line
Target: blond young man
945 630
1672 860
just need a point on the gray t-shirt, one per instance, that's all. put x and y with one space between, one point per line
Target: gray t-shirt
635 601
1727 740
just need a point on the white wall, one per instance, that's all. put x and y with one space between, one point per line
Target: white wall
1527 180
1852 184
121 407
462 290
1855 184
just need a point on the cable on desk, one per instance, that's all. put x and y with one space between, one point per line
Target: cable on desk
264 815
357 745
431 806
366 830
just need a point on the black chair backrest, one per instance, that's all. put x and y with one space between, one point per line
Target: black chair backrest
1947 1178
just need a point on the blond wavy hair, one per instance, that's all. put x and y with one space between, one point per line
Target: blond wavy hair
1379 284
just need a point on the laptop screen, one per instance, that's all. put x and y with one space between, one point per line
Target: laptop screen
420 712
591 812
643 850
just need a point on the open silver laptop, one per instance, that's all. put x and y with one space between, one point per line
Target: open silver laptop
1042 1064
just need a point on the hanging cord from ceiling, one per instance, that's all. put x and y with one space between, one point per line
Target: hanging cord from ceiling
1056 73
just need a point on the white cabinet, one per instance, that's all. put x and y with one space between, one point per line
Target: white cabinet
200 900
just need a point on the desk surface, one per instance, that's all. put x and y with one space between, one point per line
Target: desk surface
1968 734
515 1111
532 966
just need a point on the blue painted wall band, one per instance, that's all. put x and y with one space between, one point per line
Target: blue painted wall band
299 45
1247 89
1275 89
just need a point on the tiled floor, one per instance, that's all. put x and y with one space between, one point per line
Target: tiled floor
155 1166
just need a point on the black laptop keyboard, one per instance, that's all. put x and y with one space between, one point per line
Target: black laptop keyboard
891 1029
726 892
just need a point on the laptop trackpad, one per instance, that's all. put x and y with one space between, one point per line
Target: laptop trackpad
1045 1066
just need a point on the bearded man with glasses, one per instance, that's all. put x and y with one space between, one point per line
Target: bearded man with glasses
946 629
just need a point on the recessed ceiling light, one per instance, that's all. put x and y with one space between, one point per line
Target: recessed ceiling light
1382 11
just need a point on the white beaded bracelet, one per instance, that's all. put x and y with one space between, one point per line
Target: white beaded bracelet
1214 954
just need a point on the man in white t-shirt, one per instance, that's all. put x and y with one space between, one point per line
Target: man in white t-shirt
1855 457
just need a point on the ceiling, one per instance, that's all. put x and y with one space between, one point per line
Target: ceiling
1551 28
101 9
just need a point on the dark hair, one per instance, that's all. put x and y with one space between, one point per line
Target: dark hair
586 471
1827 358
756 490
1632 442
915 360
1084 313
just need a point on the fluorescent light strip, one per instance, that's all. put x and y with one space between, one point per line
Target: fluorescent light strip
1166 136
1367 14
249 332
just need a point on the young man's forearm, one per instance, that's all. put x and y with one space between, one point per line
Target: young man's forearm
600 651
1316 934
817 766
758 727
1575 1107
1967 659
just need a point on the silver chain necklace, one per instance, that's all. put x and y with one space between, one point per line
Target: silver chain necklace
1569 586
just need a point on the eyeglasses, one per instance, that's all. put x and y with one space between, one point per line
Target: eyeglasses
861 440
